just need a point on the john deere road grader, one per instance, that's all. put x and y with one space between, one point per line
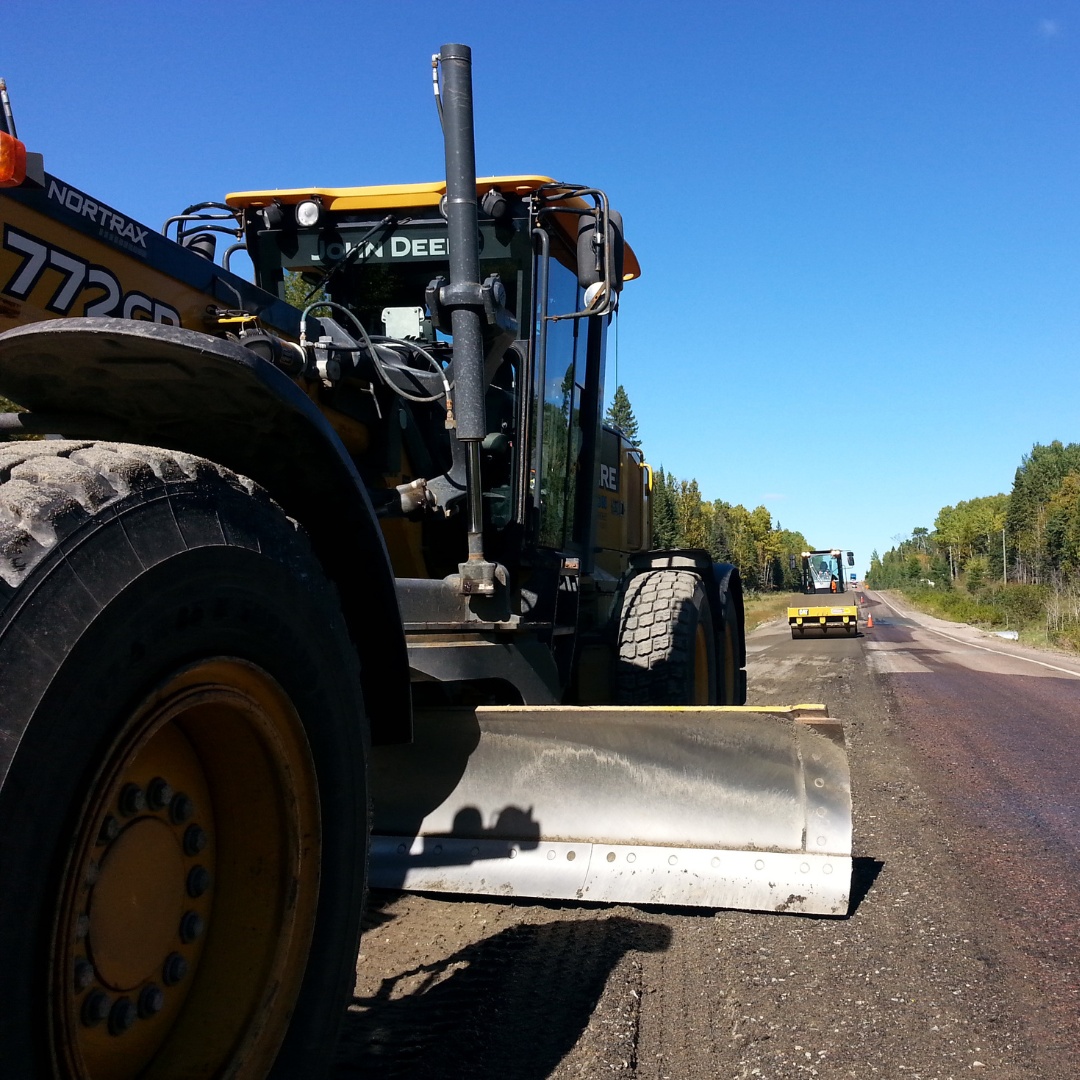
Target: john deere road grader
284 584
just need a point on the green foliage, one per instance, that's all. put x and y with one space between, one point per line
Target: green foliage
730 533
665 527
1022 603
691 519
1041 509
1014 559
956 606
297 290
975 576
622 416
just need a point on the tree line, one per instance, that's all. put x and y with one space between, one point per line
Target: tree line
683 518
1011 558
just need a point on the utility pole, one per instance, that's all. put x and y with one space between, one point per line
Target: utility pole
1004 571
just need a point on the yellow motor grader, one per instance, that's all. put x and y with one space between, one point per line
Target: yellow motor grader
299 597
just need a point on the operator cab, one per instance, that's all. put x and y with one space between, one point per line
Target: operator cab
368 258
823 571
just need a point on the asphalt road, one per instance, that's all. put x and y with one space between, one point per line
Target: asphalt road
957 959
996 729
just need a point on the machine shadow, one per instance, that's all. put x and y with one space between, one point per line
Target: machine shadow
864 872
511 1005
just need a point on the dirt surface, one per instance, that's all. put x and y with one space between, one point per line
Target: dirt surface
923 980
996 729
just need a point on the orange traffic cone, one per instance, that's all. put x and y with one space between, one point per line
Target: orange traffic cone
870 621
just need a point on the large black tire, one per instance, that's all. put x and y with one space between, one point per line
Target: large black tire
731 637
731 676
161 618
666 642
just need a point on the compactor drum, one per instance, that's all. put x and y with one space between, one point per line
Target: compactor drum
256 558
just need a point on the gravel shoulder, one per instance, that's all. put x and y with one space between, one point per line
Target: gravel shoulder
914 983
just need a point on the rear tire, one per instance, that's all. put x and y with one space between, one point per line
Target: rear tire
666 642
731 650
183 810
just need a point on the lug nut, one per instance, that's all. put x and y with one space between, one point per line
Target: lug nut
159 793
132 800
194 840
82 927
181 808
198 881
174 969
84 974
95 1008
110 830
191 927
122 1015
93 872
151 1001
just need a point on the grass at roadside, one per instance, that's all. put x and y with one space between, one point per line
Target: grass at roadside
959 608
763 607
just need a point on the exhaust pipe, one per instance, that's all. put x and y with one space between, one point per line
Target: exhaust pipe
463 296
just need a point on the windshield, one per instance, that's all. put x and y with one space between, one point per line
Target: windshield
824 569
395 265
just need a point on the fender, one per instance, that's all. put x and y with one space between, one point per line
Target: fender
179 389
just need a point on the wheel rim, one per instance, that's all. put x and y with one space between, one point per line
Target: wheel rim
187 904
701 666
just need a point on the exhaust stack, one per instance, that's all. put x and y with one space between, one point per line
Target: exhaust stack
463 297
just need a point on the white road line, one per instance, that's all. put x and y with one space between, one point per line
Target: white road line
961 641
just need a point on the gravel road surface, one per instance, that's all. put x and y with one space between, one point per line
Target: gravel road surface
957 959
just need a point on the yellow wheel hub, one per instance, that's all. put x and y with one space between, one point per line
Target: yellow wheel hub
189 899
137 904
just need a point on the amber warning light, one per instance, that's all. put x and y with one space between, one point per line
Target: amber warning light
12 160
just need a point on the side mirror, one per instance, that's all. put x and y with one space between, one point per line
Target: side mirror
589 273
851 558
791 561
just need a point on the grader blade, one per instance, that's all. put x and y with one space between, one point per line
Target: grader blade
715 807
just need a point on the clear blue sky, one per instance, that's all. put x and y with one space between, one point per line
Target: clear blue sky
858 222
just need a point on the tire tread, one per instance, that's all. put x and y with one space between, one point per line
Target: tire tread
50 487
649 638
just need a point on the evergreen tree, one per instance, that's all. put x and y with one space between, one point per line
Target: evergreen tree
719 533
665 517
622 416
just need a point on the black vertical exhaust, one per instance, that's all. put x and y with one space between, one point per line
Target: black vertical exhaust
463 297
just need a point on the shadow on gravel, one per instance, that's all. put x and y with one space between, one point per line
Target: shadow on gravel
375 913
511 1005
864 873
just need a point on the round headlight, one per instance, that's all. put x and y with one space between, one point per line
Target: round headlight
307 213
